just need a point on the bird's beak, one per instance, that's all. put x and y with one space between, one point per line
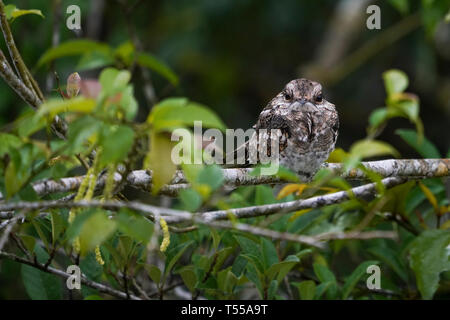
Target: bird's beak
303 105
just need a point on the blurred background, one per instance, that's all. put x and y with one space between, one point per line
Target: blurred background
234 56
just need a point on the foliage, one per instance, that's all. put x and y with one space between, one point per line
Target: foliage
115 246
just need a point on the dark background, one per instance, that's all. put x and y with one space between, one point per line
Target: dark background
234 56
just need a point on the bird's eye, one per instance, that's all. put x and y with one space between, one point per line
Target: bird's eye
287 96
319 98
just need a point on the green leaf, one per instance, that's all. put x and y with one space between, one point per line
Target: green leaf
175 113
395 81
372 148
154 273
116 142
134 225
125 52
429 256
58 226
248 246
113 80
96 229
425 148
73 48
190 199
94 59
8 142
270 256
390 257
39 284
325 275
80 131
159 160
402 6
189 277
56 106
29 123
12 12
281 269
356 275
212 176
173 255
306 289
151 62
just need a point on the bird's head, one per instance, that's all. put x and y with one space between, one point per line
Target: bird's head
302 95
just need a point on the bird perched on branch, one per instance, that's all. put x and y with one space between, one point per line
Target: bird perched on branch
308 128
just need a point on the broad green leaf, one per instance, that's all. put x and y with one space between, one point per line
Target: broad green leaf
29 123
423 146
94 59
273 286
8 142
270 256
256 262
73 48
116 142
125 52
175 113
325 275
159 160
356 275
190 199
429 256
212 176
151 62
39 284
112 79
154 273
96 229
189 277
372 148
248 246
58 226
134 225
82 130
173 255
56 106
390 257
395 81
12 12
281 269
306 289
402 6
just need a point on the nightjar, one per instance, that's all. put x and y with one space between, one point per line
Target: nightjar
308 123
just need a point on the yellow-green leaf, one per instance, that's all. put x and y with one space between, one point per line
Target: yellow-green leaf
12 12
372 148
159 160
56 106
395 81
430 196
96 229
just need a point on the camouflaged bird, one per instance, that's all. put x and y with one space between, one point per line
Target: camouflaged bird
309 127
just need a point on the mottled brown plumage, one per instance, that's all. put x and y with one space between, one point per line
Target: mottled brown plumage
308 123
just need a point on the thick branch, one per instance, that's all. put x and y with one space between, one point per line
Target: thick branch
408 168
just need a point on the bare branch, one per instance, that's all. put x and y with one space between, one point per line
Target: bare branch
408 168
20 66
290 206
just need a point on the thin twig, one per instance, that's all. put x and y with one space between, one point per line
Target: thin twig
98 286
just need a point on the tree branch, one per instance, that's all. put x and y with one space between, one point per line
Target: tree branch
408 168
290 206
98 286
